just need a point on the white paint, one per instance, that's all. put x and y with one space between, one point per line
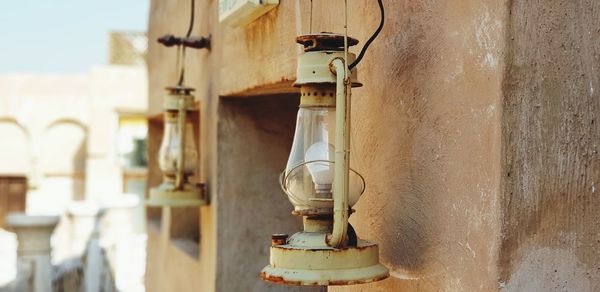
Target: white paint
491 109
458 72
468 247
486 35
548 269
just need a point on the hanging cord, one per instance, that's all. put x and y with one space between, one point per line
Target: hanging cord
311 17
187 35
178 59
182 72
371 39
192 13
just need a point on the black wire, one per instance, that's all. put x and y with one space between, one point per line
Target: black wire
187 35
371 39
182 72
189 32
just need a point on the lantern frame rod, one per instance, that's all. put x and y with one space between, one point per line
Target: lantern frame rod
338 236
180 155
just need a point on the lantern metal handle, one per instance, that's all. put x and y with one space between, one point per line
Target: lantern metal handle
179 179
339 234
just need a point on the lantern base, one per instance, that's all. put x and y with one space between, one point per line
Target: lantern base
165 195
301 265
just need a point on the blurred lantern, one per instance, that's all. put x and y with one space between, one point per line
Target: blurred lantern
318 179
178 156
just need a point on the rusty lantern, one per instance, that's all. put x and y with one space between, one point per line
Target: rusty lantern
318 179
177 156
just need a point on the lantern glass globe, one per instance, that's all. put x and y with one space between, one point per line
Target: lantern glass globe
308 177
170 147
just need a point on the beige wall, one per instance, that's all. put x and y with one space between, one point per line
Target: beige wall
431 131
551 145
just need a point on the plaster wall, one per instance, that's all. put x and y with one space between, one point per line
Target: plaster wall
550 145
426 135
427 139
456 97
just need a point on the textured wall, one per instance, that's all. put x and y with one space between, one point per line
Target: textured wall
550 144
426 135
427 139
475 131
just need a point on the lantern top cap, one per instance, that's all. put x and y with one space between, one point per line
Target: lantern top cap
179 89
324 41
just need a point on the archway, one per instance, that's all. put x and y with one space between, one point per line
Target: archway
62 163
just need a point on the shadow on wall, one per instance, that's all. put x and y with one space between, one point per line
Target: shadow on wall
395 140
255 140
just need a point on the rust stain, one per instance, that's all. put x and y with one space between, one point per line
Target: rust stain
324 41
279 280
333 250
282 281
343 283
278 239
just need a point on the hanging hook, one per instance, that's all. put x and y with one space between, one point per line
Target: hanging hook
182 43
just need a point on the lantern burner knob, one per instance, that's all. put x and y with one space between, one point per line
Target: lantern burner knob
324 41
279 239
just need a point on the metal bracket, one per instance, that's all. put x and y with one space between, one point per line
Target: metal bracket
170 40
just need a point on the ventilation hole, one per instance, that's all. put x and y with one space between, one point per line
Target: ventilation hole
309 94
314 72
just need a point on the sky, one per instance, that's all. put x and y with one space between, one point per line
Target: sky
63 36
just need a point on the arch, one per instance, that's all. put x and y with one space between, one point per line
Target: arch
63 154
15 154
11 120
67 121
63 148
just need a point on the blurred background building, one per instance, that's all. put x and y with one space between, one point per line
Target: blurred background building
76 138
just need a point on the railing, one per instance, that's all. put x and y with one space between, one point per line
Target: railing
111 258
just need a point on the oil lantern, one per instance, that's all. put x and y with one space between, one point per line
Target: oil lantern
178 156
318 180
